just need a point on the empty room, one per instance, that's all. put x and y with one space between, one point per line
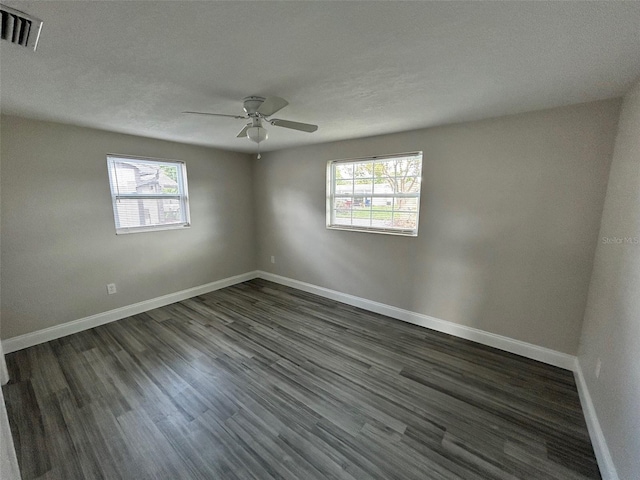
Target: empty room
309 240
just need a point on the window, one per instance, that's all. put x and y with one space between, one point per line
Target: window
376 194
148 194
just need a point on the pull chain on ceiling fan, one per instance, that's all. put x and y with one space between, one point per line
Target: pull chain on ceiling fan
258 109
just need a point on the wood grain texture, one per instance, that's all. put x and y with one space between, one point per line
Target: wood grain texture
262 381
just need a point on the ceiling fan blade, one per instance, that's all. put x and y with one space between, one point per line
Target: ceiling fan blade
243 132
215 114
271 105
303 127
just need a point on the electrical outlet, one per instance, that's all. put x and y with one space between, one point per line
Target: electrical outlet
273 259
598 367
111 288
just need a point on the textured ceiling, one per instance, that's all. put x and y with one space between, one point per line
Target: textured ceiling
354 68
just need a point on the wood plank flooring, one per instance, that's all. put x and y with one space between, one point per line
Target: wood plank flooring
260 381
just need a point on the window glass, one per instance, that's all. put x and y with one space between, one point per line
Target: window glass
377 194
148 194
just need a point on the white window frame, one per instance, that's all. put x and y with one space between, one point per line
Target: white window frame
182 196
332 195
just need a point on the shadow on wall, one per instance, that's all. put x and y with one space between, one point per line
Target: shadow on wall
486 266
449 268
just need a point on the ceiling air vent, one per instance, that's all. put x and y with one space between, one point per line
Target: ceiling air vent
20 28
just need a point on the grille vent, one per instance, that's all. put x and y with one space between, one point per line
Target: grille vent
20 28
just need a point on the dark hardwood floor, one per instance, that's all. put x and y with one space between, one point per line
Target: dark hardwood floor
260 381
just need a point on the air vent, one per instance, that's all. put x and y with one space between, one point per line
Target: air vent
20 28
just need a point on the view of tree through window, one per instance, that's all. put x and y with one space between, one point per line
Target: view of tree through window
380 194
148 194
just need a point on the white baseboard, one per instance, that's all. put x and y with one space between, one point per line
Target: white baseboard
600 448
535 352
529 350
518 347
34 338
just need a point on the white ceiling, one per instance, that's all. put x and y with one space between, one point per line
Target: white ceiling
354 68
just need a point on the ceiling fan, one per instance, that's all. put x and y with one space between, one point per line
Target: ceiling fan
258 109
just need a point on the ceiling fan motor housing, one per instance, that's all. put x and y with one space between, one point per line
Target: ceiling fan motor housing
252 104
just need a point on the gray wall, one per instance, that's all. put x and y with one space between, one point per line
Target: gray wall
611 329
510 213
59 247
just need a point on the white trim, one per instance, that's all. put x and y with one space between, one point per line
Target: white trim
518 347
34 338
152 228
332 195
182 196
383 231
599 443
529 350
542 354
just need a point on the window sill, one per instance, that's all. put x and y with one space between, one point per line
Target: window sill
155 228
384 231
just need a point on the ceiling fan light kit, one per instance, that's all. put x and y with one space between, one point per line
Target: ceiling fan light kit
257 134
258 109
